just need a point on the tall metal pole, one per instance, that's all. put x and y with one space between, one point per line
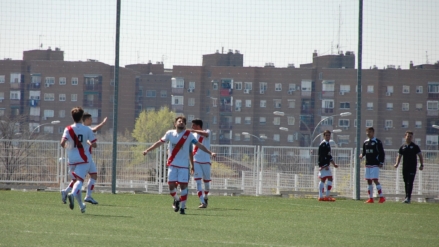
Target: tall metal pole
360 53
115 103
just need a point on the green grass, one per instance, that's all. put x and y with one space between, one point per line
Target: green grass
40 219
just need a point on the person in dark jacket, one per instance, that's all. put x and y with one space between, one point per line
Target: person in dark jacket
325 159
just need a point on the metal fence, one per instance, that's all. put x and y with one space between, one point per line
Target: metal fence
254 170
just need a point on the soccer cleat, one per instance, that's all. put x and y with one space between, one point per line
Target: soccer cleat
176 206
322 199
370 200
83 208
205 200
330 199
71 201
90 200
202 205
181 211
382 199
64 196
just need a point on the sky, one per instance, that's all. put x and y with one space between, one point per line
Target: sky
177 32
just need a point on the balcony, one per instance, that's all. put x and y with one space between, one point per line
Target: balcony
226 92
327 94
177 108
328 110
306 94
92 103
307 111
17 85
225 108
35 86
177 90
34 102
93 87
432 113
15 102
225 126
34 118
433 95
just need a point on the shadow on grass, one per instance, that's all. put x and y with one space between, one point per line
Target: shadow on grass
110 216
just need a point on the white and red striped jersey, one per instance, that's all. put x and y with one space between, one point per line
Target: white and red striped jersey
200 156
182 157
78 155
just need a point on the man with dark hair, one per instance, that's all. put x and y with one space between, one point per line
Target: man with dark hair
325 160
76 139
409 151
374 152
200 161
180 141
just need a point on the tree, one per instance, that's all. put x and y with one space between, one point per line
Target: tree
151 126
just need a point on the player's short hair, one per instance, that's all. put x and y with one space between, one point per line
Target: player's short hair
326 132
77 113
86 116
198 122
370 129
409 132
182 119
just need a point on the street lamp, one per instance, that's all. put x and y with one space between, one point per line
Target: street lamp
53 122
260 138
343 114
333 131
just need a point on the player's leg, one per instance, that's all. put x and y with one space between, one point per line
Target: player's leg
322 188
172 183
406 185
183 179
206 179
91 183
69 187
368 176
79 173
198 175
328 189
411 180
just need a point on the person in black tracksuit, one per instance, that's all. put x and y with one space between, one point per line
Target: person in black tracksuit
325 160
409 152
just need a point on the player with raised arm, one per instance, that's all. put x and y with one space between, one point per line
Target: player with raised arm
76 139
409 151
180 141
200 162
374 152
325 160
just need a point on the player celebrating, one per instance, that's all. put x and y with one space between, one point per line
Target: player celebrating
76 139
325 159
180 141
409 151
374 152
200 161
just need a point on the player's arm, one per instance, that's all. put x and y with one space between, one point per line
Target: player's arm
321 157
421 160
202 147
201 132
364 151
63 142
381 154
153 146
191 160
99 126
398 159
333 163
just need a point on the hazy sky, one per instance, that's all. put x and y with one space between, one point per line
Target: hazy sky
179 32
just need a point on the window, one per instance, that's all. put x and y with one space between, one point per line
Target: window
432 105
278 87
405 124
326 120
433 87
327 104
190 118
405 106
49 97
179 82
48 129
291 103
343 139
370 88
2 79
277 103
191 102
214 120
237 137
213 136
369 123
343 123
248 103
74 81
417 141
389 106
15 78
291 87
419 106
33 127
2 95
246 138
74 97
62 113
50 80
418 124
276 137
388 124
262 120
48 113
60 130
389 89
248 85
35 111
369 105
388 141
215 86
2 111
290 138
248 120
191 85
237 120
345 88
177 100
62 81
419 89
276 121
291 120
262 87
405 89
150 93
14 95
328 86
238 85
62 97
263 103
321 76
306 85
214 102
163 93
345 105
238 103
150 108
431 139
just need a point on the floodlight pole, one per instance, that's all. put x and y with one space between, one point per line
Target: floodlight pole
359 68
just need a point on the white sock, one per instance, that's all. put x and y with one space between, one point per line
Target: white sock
321 189
70 186
77 192
90 187
370 190
200 191
183 198
379 190
206 189
329 187
173 193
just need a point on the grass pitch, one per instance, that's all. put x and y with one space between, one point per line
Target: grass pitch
40 219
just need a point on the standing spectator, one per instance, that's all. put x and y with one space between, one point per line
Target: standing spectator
325 160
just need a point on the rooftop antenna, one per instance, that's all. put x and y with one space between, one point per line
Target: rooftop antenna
339 28
39 41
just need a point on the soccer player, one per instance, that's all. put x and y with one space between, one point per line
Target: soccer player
87 120
76 139
180 141
374 152
325 160
200 161
409 151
